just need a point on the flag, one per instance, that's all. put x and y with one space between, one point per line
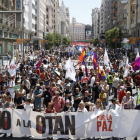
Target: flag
137 56
95 61
103 76
70 71
12 68
106 59
84 80
99 73
38 64
82 56
136 64
126 68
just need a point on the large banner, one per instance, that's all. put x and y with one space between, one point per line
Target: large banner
122 123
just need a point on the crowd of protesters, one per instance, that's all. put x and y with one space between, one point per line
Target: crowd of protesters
46 89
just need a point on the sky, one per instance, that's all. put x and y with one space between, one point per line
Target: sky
81 9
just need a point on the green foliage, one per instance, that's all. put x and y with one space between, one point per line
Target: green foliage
91 41
95 41
66 40
50 38
57 39
87 40
111 34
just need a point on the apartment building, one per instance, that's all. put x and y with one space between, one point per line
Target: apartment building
102 20
64 20
109 15
122 17
96 22
131 18
8 30
40 20
67 21
49 16
77 31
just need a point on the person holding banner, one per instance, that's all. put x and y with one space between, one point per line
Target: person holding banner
8 104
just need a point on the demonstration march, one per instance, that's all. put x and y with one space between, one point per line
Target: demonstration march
76 91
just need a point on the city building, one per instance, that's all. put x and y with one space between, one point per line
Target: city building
9 31
67 21
49 16
102 20
88 29
77 31
56 21
131 18
122 18
64 20
28 22
40 22
109 15
95 22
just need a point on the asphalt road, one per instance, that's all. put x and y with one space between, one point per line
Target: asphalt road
19 137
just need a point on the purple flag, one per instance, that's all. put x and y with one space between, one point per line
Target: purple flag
95 61
136 64
83 62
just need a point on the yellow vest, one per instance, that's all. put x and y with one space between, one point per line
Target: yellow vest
109 80
138 101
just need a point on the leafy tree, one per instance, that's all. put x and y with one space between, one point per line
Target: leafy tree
95 41
113 34
57 39
66 40
87 41
50 41
91 41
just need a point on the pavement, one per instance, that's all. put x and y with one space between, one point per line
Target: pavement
19 137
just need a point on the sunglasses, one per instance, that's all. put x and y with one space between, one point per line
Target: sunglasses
98 102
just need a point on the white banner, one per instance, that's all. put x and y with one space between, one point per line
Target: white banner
122 123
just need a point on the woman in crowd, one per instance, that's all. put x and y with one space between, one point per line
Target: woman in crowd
81 107
28 105
106 90
67 107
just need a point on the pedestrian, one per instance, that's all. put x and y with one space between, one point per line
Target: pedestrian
77 98
58 102
67 108
38 95
8 104
102 97
128 101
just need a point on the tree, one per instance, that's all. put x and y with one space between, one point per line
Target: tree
66 40
113 34
57 39
50 41
95 41
91 41
87 41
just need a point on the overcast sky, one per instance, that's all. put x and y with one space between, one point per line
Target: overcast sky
81 9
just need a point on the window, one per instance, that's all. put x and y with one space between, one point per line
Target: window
35 10
35 2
